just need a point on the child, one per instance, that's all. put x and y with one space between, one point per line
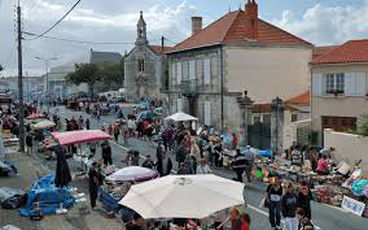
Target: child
245 219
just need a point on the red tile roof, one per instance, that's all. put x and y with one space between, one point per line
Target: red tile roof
235 27
158 49
322 50
302 99
350 52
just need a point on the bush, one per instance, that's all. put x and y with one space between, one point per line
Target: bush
363 125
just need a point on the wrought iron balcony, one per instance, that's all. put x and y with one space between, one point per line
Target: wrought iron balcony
189 88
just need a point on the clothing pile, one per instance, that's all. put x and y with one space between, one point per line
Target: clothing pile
12 198
7 168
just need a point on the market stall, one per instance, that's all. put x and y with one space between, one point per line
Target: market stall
118 184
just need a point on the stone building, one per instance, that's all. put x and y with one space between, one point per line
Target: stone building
144 67
238 55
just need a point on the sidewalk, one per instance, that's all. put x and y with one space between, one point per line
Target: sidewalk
29 168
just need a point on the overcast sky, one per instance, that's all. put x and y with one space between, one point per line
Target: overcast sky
322 22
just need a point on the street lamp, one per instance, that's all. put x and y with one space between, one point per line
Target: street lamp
47 60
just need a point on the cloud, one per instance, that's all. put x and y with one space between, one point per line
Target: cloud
96 21
325 25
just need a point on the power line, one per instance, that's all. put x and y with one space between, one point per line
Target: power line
60 20
78 41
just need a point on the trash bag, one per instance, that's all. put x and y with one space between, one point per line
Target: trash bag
358 187
7 169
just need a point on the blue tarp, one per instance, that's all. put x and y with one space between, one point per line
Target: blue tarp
262 153
48 197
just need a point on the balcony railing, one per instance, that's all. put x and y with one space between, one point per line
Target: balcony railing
189 87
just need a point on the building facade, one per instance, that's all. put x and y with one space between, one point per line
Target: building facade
339 88
237 55
144 67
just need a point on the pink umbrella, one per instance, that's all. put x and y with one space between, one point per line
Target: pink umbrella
35 116
80 136
132 174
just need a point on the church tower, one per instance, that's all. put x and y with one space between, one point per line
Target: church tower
141 32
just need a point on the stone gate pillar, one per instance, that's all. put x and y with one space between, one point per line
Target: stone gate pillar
277 125
245 110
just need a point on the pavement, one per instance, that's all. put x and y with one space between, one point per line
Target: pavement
324 216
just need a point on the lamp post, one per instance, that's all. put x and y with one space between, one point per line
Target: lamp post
47 60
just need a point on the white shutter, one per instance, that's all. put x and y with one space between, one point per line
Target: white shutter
207 113
317 84
350 88
207 71
173 73
179 105
192 72
361 84
125 74
178 72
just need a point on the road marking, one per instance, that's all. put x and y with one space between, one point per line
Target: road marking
257 209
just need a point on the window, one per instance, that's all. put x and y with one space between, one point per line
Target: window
207 113
178 73
256 119
294 117
140 65
207 71
192 72
179 103
335 83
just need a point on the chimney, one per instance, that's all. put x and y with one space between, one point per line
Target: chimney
196 24
251 10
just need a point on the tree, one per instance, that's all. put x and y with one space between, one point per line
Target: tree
363 125
113 75
89 73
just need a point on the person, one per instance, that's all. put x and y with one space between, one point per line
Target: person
245 219
156 226
195 151
137 223
239 165
250 161
218 218
235 140
189 164
116 132
323 166
203 167
296 157
148 163
88 124
304 222
182 170
94 183
80 122
106 154
92 148
314 158
164 164
288 207
181 151
273 199
29 143
304 199
235 219
135 158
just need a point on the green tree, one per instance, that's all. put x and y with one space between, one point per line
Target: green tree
89 73
113 75
363 125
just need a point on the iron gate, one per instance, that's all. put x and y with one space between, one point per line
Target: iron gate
260 135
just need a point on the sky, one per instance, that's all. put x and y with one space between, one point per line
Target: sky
322 22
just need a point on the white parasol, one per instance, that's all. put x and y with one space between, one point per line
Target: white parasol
183 196
180 116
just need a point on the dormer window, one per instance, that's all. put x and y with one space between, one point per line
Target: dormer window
140 65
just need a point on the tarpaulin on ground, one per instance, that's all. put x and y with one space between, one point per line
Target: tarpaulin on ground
110 203
257 152
47 196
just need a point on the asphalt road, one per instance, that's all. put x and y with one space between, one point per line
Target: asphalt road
324 216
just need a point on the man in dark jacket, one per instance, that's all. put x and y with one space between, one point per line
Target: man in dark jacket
304 199
164 165
29 143
106 154
181 152
288 207
239 165
94 183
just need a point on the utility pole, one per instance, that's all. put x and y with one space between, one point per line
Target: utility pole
20 79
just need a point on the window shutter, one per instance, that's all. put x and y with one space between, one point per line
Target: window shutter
207 71
350 89
178 73
317 85
207 113
179 105
361 84
192 73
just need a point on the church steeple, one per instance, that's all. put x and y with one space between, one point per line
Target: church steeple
141 31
